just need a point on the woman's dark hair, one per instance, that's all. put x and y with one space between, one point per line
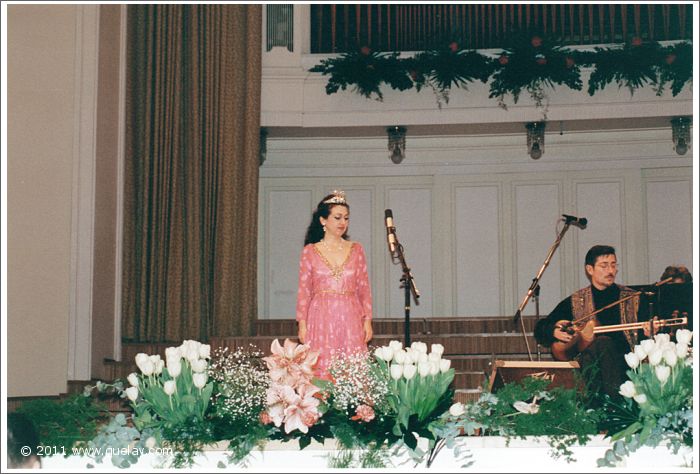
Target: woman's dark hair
314 233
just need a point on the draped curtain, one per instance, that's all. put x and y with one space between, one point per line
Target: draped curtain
191 175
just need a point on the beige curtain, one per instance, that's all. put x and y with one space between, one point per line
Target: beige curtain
191 178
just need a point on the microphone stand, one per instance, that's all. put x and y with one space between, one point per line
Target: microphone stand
409 286
536 297
535 284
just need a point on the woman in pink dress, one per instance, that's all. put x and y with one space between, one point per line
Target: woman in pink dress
334 301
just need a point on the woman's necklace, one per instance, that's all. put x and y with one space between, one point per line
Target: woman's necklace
340 247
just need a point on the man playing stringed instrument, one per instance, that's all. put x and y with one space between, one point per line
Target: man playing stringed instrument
569 328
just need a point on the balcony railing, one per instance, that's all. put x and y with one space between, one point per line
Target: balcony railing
340 28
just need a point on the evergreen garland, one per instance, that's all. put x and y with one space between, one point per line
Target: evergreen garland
530 64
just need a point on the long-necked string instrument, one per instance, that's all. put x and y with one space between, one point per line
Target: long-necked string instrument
563 351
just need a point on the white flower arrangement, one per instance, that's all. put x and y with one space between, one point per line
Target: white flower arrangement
173 390
661 385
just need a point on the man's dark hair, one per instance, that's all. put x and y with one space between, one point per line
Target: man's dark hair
596 251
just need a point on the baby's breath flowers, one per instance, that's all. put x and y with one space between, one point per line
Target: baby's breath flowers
358 385
242 380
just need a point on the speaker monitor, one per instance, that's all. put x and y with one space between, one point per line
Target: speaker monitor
560 374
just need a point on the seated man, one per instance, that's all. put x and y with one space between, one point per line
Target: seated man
601 356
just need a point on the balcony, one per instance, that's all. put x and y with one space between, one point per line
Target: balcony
342 28
298 37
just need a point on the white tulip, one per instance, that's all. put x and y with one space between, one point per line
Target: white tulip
400 356
395 346
205 351
174 367
683 336
412 356
662 339
655 356
199 380
422 357
662 373
423 369
378 353
169 387
409 371
132 393
648 345
632 360
387 353
445 365
681 350
420 347
133 379
144 363
457 409
434 367
396 371
198 365
627 389
190 349
438 349
670 357
155 358
173 353
640 352
433 357
158 367
640 398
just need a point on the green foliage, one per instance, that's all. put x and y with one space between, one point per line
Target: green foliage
366 71
529 64
122 440
448 67
558 413
66 422
533 65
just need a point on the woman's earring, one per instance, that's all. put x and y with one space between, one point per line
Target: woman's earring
324 227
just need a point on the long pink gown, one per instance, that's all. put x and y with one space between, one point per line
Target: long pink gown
334 302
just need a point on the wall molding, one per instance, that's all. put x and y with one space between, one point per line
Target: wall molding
83 195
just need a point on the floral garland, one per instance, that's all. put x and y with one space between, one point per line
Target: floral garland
529 64
375 404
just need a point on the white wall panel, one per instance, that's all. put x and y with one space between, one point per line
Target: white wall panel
537 211
601 203
477 266
412 210
669 223
289 214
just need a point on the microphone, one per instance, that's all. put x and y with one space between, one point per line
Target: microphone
391 238
579 222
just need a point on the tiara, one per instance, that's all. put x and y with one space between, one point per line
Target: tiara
337 198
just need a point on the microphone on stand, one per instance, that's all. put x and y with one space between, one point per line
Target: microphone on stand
579 222
390 229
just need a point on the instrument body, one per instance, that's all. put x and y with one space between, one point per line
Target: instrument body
583 335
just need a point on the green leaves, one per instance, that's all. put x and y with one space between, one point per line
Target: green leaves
532 64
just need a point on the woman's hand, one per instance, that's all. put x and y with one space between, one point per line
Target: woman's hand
368 330
302 332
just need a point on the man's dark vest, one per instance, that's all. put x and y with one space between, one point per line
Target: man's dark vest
582 305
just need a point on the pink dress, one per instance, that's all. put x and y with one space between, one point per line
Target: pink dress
334 302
